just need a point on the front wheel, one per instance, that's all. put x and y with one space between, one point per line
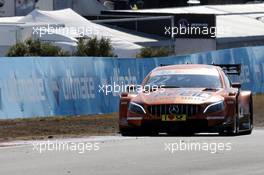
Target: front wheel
233 130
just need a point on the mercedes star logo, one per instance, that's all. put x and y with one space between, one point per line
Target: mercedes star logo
174 109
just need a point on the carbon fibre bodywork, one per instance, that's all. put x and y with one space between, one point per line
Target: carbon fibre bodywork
177 110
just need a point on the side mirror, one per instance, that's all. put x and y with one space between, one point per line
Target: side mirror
131 89
236 85
124 94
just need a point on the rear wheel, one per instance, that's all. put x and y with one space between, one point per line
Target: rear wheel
250 119
249 131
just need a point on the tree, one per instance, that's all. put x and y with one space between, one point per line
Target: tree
95 47
148 52
19 50
86 47
35 48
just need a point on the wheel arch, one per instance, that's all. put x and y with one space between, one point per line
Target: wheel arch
244 98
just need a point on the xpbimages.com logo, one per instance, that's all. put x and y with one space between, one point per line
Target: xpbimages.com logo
59 146
194 30
196 146
135 89
80 31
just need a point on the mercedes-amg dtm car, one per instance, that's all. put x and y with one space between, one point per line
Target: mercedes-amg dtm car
187 99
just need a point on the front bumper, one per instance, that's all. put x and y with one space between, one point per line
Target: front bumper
199 123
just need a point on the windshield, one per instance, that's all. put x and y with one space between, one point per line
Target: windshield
185 81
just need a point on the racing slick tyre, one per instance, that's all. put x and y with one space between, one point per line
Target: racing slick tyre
250 120
233 130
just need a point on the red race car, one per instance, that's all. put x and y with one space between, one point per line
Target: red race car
187 99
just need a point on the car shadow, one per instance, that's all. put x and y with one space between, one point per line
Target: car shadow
191 135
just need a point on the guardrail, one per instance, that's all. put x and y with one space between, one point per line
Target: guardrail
74 86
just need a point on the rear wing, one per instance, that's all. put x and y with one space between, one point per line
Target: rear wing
230 69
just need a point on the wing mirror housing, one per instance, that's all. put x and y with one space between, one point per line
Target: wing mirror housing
132 89
124 94
236 85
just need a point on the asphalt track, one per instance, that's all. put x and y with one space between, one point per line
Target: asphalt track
123 155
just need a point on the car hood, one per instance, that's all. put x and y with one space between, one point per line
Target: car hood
180 96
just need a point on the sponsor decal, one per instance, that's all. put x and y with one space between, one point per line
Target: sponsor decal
209 70
172 118
183 94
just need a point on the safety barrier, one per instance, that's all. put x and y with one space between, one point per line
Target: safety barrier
74 86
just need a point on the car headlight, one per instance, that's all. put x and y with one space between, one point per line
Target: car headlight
215 107
136 108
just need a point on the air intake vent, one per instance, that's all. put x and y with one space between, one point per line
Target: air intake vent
188 109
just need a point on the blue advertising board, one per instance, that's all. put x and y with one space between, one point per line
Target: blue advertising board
37 86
